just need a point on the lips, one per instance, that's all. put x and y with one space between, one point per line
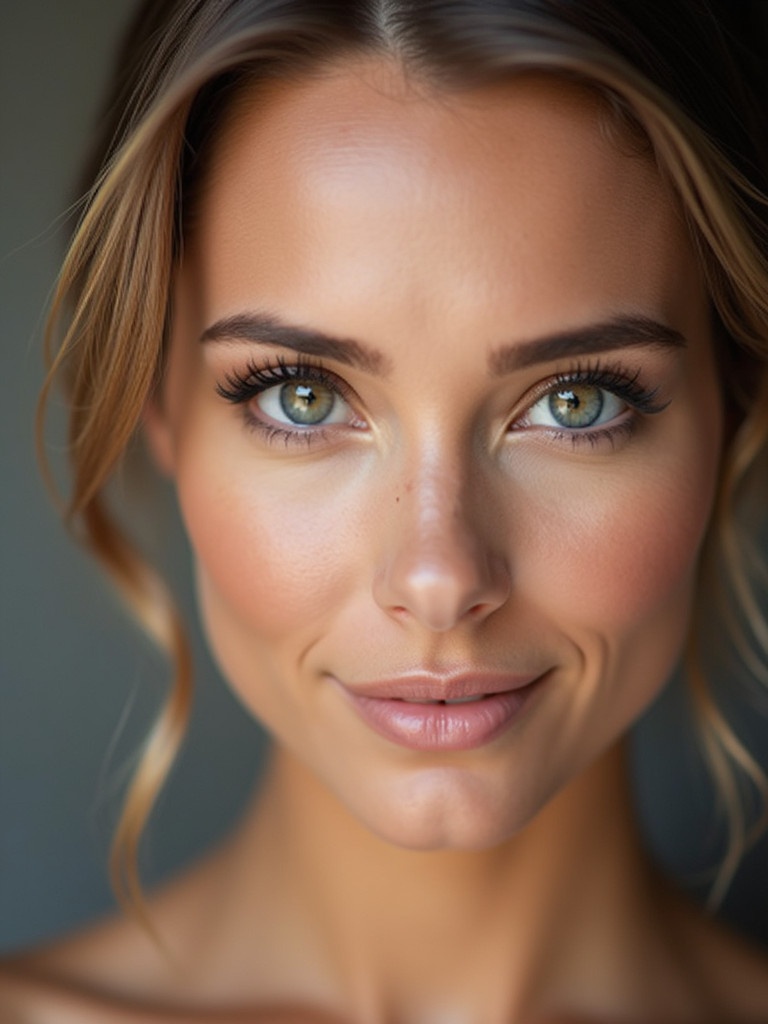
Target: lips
432 713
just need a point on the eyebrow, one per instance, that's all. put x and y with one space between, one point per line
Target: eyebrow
267 329
616 333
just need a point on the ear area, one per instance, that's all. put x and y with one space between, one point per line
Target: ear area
158 436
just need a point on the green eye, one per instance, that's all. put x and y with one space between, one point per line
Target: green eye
577 406
306 403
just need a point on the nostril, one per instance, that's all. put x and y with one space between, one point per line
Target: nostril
440 576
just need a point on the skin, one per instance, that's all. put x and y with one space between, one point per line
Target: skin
433 534
432 537
438 523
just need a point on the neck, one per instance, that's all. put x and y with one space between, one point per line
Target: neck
369 926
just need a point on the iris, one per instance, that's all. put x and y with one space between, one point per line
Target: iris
576 406
306 403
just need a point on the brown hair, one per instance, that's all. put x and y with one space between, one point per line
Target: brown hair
665 67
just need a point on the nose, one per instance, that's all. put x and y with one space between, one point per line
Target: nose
442 567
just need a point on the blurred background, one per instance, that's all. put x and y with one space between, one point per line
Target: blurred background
78 682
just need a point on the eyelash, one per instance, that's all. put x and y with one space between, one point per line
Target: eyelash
241 387
613 378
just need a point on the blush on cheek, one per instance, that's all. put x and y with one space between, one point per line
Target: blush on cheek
640 545
259 609
619 582
272 560
641 564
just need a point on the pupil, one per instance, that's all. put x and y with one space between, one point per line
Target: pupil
304 403
577 406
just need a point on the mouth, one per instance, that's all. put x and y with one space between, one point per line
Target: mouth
433 688
433 713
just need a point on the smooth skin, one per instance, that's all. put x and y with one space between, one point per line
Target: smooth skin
437 517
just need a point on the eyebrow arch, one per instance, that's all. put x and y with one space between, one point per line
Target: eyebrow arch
618 332
268 329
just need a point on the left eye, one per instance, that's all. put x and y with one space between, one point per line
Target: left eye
303 403
575 406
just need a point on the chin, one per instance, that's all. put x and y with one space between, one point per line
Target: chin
444 809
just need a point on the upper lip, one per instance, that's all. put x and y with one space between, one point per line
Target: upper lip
429 686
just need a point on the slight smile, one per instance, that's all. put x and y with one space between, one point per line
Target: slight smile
430 713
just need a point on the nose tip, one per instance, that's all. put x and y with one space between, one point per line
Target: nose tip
440 585
440 603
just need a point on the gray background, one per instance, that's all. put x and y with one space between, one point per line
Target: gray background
78 683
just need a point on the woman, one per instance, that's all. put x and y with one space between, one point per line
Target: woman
448 322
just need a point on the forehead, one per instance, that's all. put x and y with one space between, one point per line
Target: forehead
363 171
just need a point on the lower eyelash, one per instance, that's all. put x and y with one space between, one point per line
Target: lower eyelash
273 434
599 436
240 387
618 381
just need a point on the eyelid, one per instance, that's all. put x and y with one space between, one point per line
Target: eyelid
256 378
242 387
619 380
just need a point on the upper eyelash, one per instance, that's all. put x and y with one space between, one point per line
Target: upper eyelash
241 386
614 378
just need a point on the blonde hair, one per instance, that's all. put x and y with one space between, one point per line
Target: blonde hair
112 299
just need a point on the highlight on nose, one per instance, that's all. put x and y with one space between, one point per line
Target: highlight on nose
441 585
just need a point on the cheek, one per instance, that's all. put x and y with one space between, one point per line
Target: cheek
638 554
648 568
620 582
269 544
270 576
629 533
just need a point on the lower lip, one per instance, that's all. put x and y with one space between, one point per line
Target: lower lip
443 727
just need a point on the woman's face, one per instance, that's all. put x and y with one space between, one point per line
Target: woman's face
442 412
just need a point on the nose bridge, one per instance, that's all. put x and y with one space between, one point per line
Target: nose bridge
442 564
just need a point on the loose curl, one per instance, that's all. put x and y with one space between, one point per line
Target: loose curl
670 84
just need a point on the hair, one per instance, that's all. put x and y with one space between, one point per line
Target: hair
671 73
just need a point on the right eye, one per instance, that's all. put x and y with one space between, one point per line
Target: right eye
294 401
303 403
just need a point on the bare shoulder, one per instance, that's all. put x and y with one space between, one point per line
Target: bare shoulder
76 978
108 974
60 983
113 972
30 997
